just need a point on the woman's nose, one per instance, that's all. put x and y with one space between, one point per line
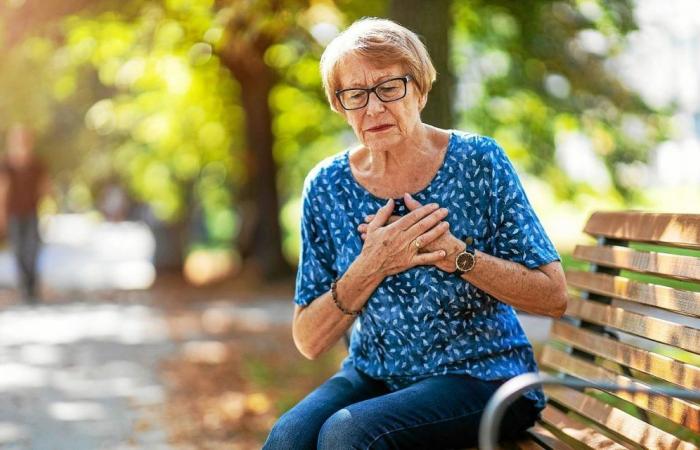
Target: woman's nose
374 105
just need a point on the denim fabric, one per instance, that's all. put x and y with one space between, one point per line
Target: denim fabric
353 411
25 243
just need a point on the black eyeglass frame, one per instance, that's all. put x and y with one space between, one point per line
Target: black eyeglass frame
373 89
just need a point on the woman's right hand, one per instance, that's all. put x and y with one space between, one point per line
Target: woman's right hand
395 247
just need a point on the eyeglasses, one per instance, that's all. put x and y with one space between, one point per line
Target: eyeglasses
386 91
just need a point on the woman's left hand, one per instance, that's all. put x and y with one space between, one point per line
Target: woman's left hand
447 242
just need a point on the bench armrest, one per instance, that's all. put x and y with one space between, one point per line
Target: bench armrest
507 393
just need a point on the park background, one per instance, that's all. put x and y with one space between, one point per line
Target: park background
178 134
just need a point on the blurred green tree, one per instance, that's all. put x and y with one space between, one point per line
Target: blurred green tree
535 72
172 111
215 107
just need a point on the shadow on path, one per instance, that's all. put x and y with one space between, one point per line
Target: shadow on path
82 376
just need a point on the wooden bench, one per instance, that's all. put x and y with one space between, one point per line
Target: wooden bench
632 319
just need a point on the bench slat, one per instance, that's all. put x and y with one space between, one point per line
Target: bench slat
676 410
547 438
668 369
616 420
570 427
679 230
526 445
675 266
659 330
588 414
677 300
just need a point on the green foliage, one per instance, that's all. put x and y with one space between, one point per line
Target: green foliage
141 94
568 262
172 120
164 115
533 71
26 92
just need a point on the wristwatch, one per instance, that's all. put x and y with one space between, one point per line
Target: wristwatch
465 261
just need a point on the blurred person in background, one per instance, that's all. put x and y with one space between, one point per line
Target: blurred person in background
424 239
23 182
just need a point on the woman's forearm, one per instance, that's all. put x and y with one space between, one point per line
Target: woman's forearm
318 326
539 291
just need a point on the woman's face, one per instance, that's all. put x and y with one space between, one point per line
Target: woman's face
379 125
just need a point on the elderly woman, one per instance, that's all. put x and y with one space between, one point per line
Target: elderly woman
424 239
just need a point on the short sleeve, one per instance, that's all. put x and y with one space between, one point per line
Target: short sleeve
518 235
315 271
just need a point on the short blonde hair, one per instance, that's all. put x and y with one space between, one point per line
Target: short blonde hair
377 40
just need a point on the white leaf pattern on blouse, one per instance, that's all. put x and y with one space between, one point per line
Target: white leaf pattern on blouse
425 322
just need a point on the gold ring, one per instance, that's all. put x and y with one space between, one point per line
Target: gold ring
417 243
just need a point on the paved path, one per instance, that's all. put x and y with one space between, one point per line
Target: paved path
84 376
81 376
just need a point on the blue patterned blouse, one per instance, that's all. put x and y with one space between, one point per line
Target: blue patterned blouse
424 321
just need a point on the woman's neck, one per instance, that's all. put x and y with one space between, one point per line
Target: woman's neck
404 157
407 167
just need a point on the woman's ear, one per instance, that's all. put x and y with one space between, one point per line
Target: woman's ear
423 100
340 111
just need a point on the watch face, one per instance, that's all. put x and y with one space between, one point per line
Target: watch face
464 261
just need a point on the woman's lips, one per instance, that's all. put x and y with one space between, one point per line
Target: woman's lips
379 128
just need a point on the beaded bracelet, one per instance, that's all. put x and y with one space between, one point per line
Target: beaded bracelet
334 294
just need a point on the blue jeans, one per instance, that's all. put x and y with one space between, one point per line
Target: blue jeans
25 241
353 411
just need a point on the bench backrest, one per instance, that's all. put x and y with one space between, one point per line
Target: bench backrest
634 317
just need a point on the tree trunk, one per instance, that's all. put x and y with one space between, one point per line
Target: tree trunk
260 240
432 21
